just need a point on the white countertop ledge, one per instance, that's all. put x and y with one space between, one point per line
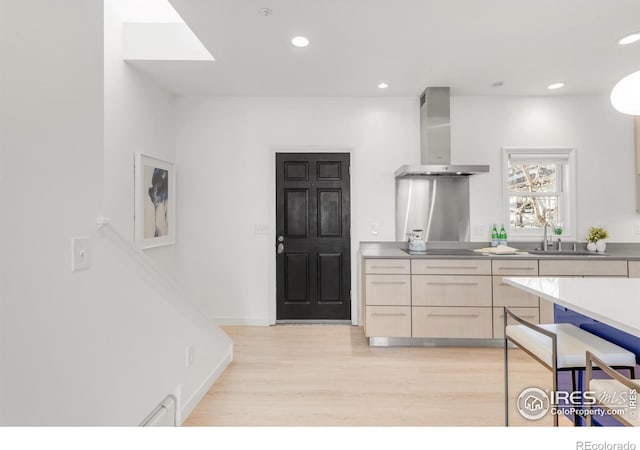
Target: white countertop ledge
614 301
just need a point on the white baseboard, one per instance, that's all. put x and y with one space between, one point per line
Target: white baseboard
191 404
250 321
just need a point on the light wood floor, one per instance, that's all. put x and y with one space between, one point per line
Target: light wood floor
327 375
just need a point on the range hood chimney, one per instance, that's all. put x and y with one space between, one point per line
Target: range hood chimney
434 196
435 138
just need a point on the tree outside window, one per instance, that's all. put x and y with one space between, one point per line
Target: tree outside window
537 190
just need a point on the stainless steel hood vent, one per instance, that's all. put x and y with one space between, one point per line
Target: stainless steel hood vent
435 139
434 196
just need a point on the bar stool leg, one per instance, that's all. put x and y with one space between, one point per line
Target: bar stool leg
506 371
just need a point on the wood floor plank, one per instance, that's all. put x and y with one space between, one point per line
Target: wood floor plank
327 375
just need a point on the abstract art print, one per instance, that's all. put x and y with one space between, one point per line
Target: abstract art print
154 201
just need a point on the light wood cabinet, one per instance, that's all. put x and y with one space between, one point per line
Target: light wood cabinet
387 297
450 267
451 290
546 311
581 267
515 267
388 321
387 266
451 298
529 314
506 295
634 269
463 298
520 302
454 322
389 290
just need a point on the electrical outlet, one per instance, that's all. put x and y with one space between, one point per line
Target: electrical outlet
261 228
636 228
479 230
190 355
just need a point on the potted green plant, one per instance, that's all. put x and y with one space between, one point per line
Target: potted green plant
596 239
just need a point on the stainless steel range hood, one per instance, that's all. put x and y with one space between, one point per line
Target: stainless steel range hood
435 139
434 195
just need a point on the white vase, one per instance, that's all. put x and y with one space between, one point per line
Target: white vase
591 246
601 245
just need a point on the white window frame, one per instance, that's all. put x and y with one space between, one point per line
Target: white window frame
561 155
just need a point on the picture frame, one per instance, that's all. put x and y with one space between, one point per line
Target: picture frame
155 201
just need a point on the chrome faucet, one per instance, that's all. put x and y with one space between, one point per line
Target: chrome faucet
545 242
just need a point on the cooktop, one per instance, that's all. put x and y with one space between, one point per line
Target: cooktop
441 251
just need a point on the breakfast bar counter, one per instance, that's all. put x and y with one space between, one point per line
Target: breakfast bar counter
613 301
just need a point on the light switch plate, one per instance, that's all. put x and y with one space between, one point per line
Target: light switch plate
80 253
375 229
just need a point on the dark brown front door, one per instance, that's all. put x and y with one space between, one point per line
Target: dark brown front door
313 247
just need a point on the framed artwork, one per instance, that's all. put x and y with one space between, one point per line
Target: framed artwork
155 201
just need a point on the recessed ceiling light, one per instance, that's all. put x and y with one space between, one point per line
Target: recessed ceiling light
629 39
383 85
300 41
555 86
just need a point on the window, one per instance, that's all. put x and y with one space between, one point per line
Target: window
539 186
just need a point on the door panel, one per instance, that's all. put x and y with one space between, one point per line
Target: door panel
297 277
313 269
330 277
296 205
329 213
296 171
329 170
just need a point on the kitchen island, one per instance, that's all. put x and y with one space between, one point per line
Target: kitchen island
613 301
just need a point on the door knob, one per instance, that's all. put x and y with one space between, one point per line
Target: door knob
280 238
280 248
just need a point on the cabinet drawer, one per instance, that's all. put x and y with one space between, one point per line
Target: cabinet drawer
529 314
634 269
440 322
527 268
450 267
507 295
388 266
390 290
450 290
581 267
388 321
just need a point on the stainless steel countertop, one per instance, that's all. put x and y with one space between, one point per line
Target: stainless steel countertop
393 250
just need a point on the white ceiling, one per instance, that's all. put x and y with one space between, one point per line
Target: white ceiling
411 44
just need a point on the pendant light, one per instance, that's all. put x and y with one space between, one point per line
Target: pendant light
625 96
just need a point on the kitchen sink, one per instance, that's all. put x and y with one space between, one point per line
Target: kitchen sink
565 253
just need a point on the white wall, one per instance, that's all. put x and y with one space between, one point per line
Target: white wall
138 117
97 347
225 152
225 149
602 137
